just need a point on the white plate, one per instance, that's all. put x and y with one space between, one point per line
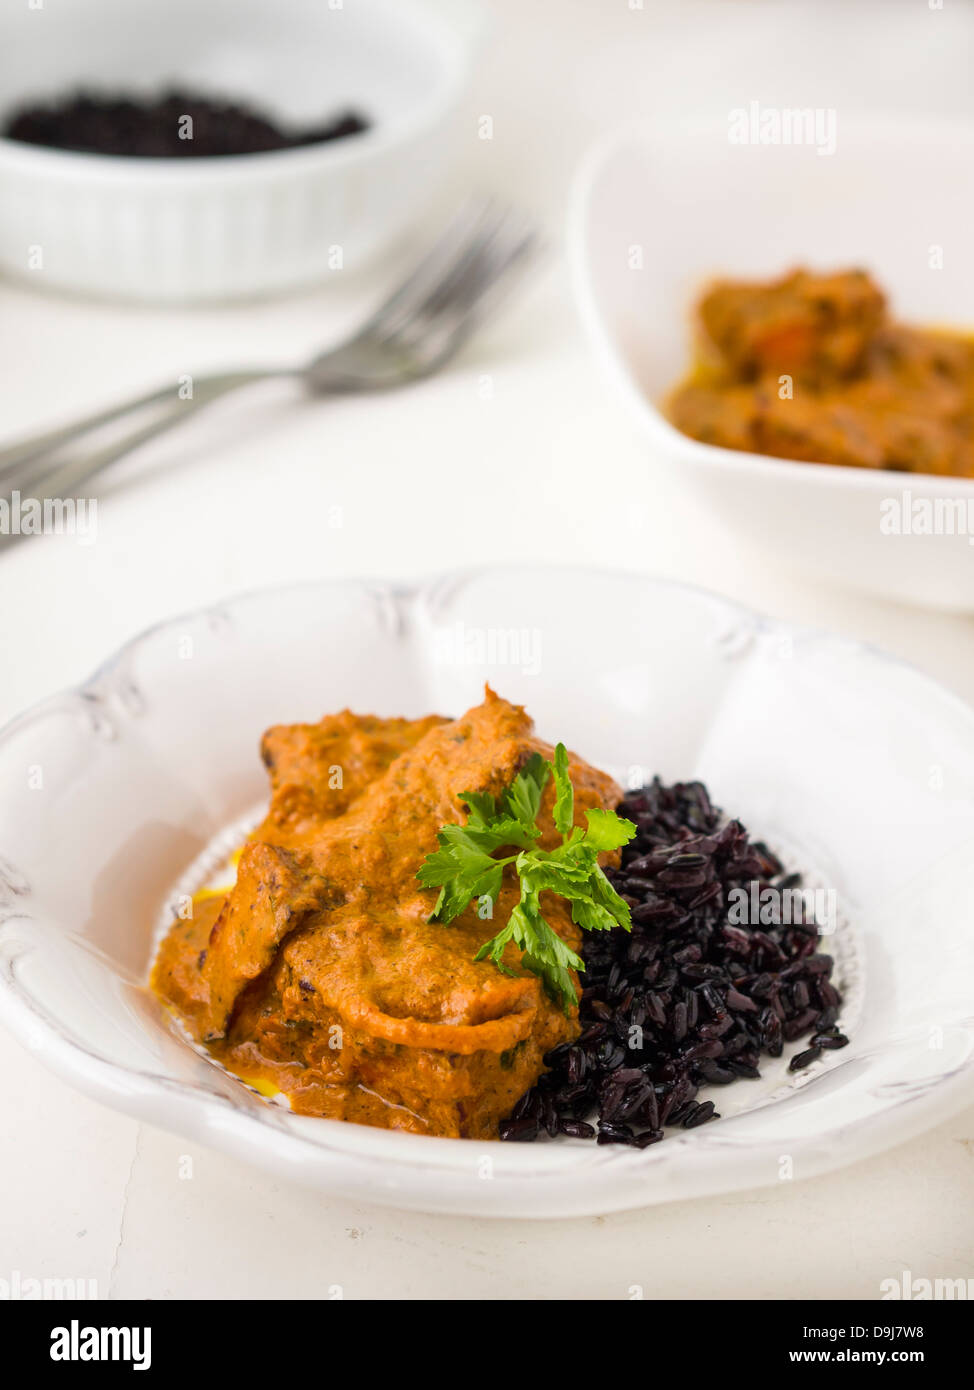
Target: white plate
657 212
855 765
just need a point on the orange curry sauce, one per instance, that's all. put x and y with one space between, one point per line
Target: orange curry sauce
320 975
811 367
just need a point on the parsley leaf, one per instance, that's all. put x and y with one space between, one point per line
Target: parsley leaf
608 831
464 868
564 813
522 800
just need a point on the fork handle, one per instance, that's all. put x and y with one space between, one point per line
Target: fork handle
41 449
43 478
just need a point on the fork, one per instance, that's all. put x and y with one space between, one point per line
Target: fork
414 333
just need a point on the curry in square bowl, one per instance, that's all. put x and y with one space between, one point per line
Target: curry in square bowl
813 367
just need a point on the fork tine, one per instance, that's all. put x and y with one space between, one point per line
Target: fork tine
514 241
464 230
456 307
491 291
428 319
498 283
466 268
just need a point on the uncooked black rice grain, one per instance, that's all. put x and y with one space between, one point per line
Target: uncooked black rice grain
175 125
688 999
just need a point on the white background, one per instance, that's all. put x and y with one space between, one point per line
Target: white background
520 452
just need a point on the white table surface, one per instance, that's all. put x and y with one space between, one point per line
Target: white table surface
237 500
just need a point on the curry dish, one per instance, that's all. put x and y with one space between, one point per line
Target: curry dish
320 974
812 367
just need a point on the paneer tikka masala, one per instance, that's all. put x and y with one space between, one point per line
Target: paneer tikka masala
320 974
812 367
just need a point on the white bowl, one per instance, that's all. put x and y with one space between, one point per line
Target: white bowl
851 763
213 228
686 205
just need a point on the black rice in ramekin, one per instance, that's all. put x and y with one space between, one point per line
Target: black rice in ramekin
688 998
175 125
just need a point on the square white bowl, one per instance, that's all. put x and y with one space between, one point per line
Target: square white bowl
856 767
658 211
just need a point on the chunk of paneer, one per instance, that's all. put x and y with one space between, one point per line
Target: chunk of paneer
273 895
317 770
802 324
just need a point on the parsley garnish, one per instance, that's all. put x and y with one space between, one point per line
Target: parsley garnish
464 868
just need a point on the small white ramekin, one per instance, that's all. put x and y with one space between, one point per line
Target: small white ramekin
171 230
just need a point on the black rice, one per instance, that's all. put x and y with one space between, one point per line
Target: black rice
688 998
175 125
